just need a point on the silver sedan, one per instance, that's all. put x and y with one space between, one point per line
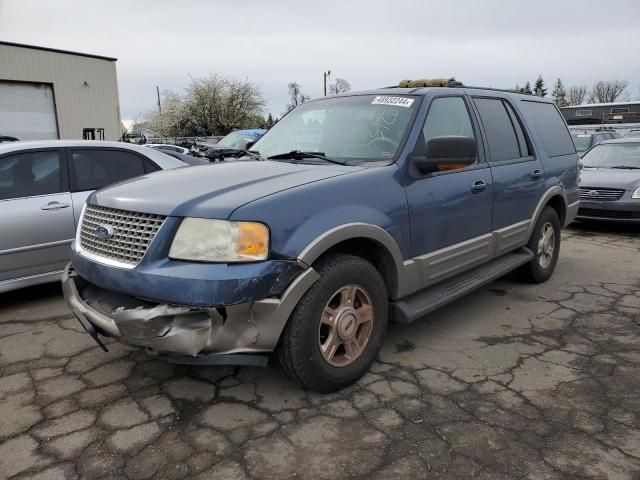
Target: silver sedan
43 186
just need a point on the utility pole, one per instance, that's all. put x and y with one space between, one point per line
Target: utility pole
158 93
326 75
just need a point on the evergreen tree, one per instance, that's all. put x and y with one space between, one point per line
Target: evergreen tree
538 88
559 94
527 88
270 122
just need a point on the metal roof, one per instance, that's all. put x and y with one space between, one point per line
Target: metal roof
47 49
615 104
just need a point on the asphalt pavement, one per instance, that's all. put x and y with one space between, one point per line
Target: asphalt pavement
513 381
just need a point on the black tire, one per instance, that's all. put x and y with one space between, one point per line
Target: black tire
534 271
299 351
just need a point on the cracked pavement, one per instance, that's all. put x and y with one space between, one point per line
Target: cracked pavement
513 381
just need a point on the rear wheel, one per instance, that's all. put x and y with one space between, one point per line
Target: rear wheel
336 330
545 244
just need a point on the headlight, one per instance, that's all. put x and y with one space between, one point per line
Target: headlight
205 240
636 193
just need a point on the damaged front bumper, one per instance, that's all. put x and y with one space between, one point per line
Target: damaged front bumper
183 330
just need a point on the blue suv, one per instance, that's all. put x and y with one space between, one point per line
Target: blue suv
352 211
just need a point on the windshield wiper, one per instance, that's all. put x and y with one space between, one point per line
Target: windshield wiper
623 167
248 153
298 155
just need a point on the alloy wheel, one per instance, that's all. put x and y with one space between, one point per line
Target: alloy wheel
546 245
346 325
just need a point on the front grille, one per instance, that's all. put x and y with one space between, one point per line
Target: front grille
131 233
618 214
589 193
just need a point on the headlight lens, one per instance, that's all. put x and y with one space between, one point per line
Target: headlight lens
206 240
636 193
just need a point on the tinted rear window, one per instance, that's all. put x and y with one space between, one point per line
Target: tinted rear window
503 142
545 119
93 169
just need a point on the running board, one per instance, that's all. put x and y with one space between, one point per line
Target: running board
417 305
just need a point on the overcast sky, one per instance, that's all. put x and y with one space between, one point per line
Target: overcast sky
370 43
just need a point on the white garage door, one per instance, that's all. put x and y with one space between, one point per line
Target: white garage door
27 111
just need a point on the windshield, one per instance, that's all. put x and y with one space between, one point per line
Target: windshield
362 128
622 155
235 140
583 142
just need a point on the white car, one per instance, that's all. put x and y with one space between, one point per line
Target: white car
43 186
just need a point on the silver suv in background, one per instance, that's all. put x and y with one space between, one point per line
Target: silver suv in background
585 140
43 186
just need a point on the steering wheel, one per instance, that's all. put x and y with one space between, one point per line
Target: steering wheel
384 141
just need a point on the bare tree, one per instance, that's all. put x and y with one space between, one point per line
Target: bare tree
608 91
296 97
577 95
339 86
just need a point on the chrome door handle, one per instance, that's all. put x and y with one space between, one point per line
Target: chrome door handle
478 186
536 174
55 206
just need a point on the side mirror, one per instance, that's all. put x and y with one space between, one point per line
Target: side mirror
446 153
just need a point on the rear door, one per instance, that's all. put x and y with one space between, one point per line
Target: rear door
36 224
94 168
518 174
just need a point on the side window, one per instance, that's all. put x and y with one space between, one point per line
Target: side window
150 167
94 169
30 174
448 116
550 126
501 136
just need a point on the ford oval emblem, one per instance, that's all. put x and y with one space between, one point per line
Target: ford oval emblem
104 232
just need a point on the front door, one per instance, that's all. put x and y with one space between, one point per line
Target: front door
36 221
450 210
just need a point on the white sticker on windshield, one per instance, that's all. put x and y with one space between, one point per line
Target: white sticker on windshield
393 101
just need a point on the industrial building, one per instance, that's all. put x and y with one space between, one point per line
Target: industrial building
602 113
47 94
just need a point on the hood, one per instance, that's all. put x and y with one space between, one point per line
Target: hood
211 191
610 178
219 150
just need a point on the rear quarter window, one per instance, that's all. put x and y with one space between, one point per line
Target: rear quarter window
545 119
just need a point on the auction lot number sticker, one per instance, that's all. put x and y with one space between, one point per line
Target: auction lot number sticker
392 101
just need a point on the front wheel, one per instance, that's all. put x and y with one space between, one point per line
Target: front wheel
545 244
336 330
